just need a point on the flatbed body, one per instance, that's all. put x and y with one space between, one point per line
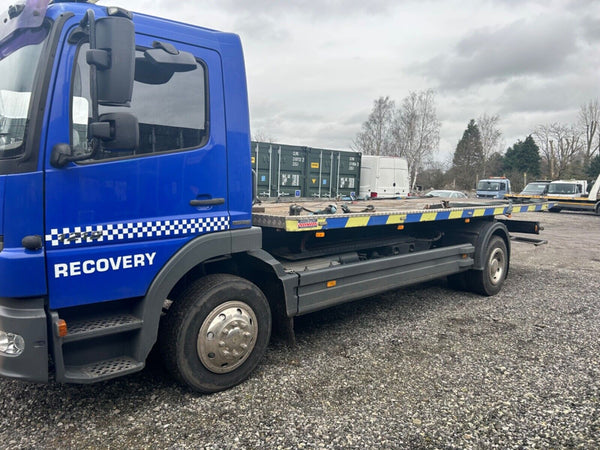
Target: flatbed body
559 203
381 212
591 202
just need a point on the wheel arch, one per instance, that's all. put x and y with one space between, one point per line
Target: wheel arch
192 256
478 233
486 233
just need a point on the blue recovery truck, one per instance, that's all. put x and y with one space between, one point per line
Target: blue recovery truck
127 213
493 188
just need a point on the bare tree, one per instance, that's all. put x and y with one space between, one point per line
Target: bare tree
559 145
543 137
490 138
261 135
416 130
374 137
589 116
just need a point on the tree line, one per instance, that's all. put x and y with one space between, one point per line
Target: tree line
410 130
551 151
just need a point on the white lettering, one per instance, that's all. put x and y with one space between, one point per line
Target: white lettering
150 257
115 263
61 270
90 266
75 268
102 265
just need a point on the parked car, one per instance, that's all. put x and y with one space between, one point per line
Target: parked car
446 194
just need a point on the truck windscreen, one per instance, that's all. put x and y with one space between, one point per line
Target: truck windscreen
17 74
488 186
563 188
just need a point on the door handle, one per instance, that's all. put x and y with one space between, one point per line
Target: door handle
210 202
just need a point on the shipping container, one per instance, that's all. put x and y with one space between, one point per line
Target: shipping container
297 171
348 173
280 169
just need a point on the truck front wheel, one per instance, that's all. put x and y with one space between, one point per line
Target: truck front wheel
489 281
216 333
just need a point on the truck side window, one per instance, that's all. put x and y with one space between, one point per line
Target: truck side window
172 116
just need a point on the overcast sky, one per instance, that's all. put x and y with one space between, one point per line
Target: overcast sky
315 67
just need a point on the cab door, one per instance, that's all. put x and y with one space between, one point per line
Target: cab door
113 220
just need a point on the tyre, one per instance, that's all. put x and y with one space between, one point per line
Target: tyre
489 281
216 333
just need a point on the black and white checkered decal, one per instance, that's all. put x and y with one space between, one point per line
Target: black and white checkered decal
135 230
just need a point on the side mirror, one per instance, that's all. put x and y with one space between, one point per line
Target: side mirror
61 155
160 62
112 52
167 56
117 131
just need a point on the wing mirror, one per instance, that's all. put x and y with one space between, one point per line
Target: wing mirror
112 54
160 62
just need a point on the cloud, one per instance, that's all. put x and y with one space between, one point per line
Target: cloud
590 29
261 27
553 95
322 10
524 47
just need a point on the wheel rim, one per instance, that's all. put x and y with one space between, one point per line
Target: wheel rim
227 337
496 266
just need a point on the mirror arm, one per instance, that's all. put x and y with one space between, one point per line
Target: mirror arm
101 130
98 58
89 22
62 154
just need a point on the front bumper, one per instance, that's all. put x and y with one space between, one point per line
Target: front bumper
27 318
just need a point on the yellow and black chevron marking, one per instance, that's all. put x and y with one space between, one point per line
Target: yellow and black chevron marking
321 222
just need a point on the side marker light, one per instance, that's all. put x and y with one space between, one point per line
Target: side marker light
62 328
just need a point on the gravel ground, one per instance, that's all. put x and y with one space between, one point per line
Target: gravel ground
421 367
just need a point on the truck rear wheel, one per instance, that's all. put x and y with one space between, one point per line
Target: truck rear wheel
489 281
216 333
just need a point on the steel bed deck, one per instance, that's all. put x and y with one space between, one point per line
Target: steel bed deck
383 212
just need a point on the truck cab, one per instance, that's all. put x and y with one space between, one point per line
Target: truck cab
536 188
115 134
493 187
568 188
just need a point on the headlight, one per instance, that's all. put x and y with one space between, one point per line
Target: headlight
11 344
